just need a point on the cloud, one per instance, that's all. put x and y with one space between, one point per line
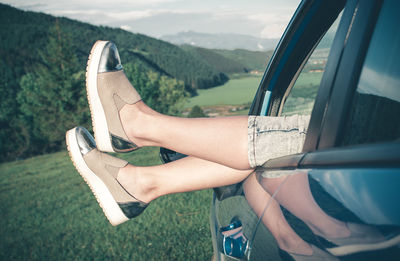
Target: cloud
273 31
108 16
264 18
274 24
126 27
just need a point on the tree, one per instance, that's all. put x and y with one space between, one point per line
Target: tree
162 93
11 140
196 112
51 96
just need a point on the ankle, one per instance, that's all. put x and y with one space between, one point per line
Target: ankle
134 118
138 184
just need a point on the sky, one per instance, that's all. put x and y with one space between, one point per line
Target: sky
259 18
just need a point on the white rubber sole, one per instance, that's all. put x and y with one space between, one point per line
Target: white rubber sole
106 201
351 249
99 122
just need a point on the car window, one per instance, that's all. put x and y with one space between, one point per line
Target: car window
300 98
375 109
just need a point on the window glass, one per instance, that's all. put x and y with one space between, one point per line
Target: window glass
375 109
302 95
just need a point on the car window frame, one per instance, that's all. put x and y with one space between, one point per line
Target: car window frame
277 67
292 53
348 73
321 149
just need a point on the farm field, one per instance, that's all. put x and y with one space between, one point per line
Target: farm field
235 97
234 92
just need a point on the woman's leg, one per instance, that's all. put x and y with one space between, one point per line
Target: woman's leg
124 190
121 121
273 218
221 140
186 174
296 196
191 174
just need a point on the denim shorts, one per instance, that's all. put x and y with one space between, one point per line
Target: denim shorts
272 137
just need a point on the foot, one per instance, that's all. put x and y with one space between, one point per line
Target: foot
108 91
361 238
100 171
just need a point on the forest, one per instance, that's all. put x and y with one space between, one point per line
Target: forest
42 76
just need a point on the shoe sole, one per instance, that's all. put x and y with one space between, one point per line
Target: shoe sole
351 249
103 196
99 122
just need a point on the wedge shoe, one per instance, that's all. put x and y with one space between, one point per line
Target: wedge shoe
362 238
100 172
108 90
317 255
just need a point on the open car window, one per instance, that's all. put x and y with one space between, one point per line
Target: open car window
300 98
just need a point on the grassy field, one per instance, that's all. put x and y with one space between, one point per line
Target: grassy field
236 91
49 213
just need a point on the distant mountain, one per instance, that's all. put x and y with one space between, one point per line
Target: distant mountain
252 60
231 61
222 41
218 61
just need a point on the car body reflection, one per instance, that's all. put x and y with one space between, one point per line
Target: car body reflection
368 193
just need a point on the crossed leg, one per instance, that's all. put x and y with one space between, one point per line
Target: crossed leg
220 140
191 173
184 175
218 150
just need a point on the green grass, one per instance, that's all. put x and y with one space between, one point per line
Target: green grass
49 213
236 91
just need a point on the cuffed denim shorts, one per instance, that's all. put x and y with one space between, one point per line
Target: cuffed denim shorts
272 137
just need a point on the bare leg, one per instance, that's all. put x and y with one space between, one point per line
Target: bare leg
190 174
187 174
273 218
296 196
221 140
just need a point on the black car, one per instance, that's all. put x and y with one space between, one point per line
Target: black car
338 61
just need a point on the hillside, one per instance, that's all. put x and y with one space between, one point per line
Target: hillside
252 60
23 34
231 61
215 60
42 76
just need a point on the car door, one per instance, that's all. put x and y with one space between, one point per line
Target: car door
348 175
299 66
